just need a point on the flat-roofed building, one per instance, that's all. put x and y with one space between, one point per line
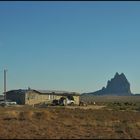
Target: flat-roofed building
32 96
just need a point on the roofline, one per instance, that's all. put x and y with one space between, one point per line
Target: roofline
49 93
53 93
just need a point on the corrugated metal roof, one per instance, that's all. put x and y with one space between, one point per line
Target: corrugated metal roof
21 91
52 91
58 92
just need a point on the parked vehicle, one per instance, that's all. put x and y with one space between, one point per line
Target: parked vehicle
63 101
69 102
7 103
55 102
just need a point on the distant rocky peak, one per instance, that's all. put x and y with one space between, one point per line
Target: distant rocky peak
119 76
123 76
116 75
118 85
103 88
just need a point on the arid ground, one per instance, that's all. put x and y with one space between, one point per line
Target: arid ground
91 122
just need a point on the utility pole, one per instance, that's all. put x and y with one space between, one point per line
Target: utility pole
5 84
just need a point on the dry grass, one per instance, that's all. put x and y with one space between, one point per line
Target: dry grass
67 123
107 99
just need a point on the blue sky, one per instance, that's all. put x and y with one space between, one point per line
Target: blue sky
74 46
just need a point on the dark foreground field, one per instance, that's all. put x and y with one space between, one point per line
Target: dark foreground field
69 123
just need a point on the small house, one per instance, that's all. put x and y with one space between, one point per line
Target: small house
31 96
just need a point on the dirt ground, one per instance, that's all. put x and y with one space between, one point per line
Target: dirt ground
91 122
87 107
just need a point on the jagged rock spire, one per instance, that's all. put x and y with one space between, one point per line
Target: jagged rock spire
118 85
116 75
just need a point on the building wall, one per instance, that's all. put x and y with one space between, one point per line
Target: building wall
32 97
57 97
76 99
19 98
35 98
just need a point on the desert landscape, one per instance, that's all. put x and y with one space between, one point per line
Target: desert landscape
103 120
110 113
69 70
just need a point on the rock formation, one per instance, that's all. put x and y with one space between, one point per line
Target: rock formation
118 85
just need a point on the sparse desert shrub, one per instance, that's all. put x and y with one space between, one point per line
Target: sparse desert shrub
38 115
43 115
10 115
28 115
25 115
123 106
55 123
138 109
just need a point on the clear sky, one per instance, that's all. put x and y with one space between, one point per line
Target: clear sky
74 46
